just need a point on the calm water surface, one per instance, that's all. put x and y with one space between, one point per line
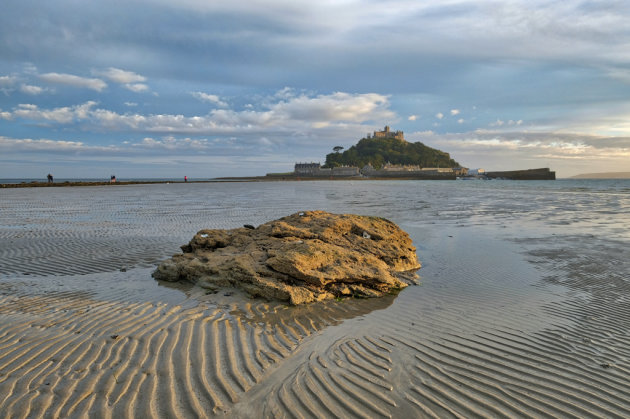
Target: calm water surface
577 206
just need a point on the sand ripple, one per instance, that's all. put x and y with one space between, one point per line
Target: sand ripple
508 321
505 354
66 354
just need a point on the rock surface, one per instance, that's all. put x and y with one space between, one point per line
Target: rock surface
308 256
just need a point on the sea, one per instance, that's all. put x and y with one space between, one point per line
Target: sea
168 214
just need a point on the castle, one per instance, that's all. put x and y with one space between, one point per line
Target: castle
386 133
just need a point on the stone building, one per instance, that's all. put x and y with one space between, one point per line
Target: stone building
387 133
344 171
401 167
407 172
306 168
315 170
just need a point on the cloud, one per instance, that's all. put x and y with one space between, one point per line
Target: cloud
454 112
137 87
6 81
27 144
501 123
119 76
439 115
130 80
75 81
412 117
297 113
31 90
460 121
150 150
7 84
498 150
335 107
41 145
29 68
62 115
205 97
285 93
168 143
174 144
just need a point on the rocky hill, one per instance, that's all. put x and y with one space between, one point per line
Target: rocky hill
378 151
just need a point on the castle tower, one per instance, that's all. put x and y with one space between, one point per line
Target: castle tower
387 133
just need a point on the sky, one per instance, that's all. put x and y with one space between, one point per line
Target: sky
203 88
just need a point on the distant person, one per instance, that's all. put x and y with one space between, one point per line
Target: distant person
50 178
185 178
112 179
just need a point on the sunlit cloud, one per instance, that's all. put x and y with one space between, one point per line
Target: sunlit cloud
206 97
31 90
174 143
297 112
74 81
514 150
137 87
119 76
27 144
62 115
128 79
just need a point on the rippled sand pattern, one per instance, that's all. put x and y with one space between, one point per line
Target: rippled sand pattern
522 311
442 353
65 354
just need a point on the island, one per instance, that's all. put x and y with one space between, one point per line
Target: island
387 155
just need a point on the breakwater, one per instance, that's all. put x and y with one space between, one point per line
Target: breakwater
527 174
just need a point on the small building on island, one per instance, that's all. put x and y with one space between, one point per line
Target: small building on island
306 169
316 170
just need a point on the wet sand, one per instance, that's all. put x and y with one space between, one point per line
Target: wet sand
516 315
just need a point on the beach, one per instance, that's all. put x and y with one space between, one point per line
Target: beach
521 311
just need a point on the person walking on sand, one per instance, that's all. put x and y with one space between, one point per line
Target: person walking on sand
50 178
185 178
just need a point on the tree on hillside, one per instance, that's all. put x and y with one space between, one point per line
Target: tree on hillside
337 149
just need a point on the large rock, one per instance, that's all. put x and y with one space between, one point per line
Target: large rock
308 256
